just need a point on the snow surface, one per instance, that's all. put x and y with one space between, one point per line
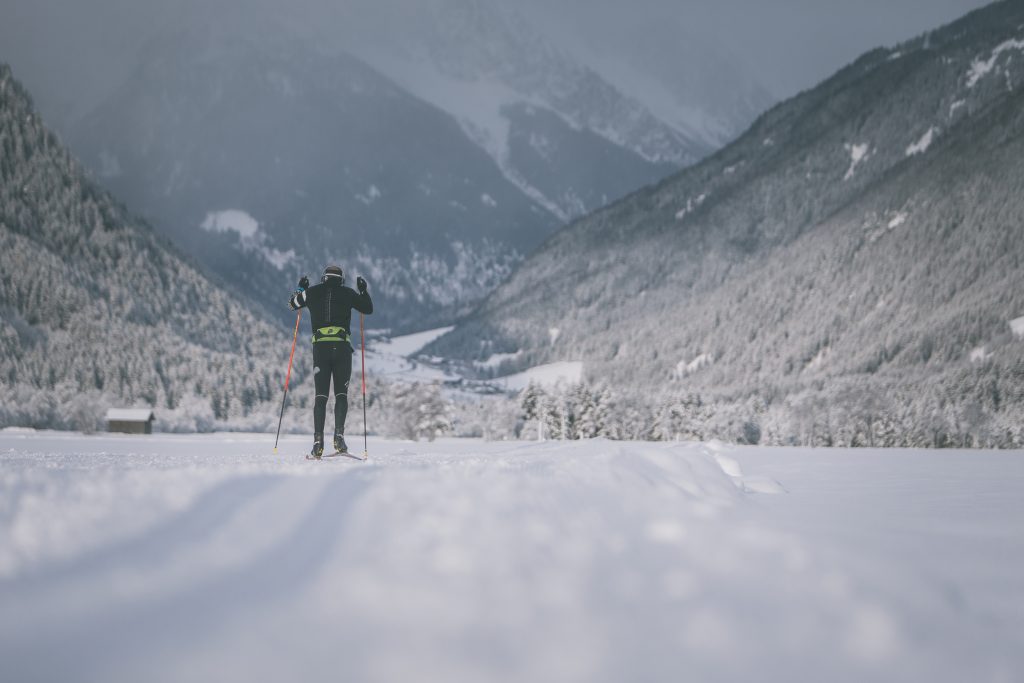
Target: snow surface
249 234
684 367
205 557
395 358
922 145
234 220
398 359
130 414
478 106
496 359
857 154
407 345
819 359
899 219
549 375
982 67
691 206
979 354
1017 326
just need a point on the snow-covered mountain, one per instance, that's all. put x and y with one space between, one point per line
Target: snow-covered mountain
683 76
270 159
856 254
524 99
96 309
428 145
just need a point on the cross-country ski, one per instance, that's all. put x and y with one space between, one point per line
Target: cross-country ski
336 454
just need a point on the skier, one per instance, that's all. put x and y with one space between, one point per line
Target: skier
330 305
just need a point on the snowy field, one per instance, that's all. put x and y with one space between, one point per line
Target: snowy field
395 358
398 359
207 558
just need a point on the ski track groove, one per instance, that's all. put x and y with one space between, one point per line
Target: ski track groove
472 562
172 623
149 547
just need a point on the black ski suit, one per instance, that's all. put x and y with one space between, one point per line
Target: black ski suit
330 307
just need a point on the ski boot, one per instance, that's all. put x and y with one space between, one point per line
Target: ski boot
318 447
339 443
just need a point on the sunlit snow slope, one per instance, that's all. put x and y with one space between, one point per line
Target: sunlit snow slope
172 558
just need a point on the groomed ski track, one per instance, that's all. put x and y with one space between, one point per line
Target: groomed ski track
207 558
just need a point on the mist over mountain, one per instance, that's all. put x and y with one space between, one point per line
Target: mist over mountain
267 160
475 57
693 80
855 255
428 146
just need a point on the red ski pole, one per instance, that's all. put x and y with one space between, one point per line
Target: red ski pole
287 377
362 352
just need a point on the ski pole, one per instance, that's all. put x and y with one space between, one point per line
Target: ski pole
362 352
287 377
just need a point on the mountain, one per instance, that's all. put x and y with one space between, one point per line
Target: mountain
266 159
96 309
542 114
854 256
429 146
682 75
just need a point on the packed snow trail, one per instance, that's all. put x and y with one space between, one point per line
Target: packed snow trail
171 558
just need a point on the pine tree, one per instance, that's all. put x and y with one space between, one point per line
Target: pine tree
551 417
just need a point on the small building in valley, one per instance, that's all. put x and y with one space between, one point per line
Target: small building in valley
130 420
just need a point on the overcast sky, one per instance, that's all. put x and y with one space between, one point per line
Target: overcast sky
60 47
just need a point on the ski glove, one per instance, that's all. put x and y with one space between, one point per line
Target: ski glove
361 285
303 283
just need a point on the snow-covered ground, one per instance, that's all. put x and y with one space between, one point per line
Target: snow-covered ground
190 557
409 344
399 359
548 375
395 358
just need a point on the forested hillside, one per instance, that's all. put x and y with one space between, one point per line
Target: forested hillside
849 271
96 310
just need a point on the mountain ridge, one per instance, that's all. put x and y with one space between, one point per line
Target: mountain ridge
658 287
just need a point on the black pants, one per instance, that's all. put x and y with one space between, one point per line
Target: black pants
331 360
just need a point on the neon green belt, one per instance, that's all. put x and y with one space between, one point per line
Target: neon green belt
331 334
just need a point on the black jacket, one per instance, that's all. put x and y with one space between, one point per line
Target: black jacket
330 304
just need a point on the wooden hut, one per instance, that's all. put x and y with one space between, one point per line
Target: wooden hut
130 420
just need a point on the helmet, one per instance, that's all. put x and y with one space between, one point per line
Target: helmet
333 271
